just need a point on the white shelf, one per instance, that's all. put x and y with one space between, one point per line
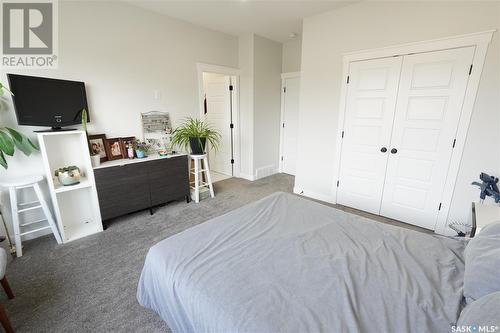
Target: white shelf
58 188
77 231
76 207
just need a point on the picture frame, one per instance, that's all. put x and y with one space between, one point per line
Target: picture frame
97 143
114 149
123 142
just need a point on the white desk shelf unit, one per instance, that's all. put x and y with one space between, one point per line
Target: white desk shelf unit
76 207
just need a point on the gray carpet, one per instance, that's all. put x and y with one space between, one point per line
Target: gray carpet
89 285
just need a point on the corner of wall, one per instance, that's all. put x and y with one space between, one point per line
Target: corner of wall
292 55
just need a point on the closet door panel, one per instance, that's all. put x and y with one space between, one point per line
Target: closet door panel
369 114
429 104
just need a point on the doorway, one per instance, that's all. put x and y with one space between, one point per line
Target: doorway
218 87
290 89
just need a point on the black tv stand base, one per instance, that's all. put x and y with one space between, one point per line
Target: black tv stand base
56 129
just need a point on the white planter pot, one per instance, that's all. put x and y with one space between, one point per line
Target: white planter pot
96 160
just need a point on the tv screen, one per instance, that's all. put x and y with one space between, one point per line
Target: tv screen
42 101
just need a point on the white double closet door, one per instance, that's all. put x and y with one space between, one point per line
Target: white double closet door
401 118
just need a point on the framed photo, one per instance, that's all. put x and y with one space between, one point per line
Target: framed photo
124 142
114 149
97 144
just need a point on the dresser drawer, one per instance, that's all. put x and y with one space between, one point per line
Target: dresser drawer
122 189
141 185
168 179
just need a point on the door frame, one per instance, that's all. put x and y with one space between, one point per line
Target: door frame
480 40
284 76
234 73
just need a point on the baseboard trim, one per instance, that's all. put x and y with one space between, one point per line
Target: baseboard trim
265 171
314 195
254 177
272 172
247 177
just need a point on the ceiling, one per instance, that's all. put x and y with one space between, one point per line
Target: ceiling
272 19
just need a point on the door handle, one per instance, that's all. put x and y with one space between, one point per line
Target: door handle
383 149
394 151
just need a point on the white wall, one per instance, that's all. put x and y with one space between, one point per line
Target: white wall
124 54
267 105
260 63
292 54
367 25
246 66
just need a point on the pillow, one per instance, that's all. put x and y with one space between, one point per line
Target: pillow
483 312
482 263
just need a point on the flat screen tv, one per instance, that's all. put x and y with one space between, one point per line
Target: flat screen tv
42 101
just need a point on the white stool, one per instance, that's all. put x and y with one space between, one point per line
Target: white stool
199 168
18 208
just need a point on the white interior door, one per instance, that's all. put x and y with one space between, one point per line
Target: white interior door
218 114
290 124
370 105
430 97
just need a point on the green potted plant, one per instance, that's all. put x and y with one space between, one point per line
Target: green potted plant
141 148
195 133
10 139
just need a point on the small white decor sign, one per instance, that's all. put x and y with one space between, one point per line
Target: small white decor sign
157 129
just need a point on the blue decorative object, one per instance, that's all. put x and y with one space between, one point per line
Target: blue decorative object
140 154
488 187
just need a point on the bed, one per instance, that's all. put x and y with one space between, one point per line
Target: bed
287 264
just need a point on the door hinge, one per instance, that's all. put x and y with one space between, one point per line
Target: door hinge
232 161
439 208
231 87
347 79
231 125
338 182
284 89
454 141
282 158
342 134
283 125
470 69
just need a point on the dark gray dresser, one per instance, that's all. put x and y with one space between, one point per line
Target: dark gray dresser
125 186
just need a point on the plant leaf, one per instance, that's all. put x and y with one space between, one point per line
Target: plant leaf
84 119
34 146
15 134
24 146
6 144
4 89
21 141
3 162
